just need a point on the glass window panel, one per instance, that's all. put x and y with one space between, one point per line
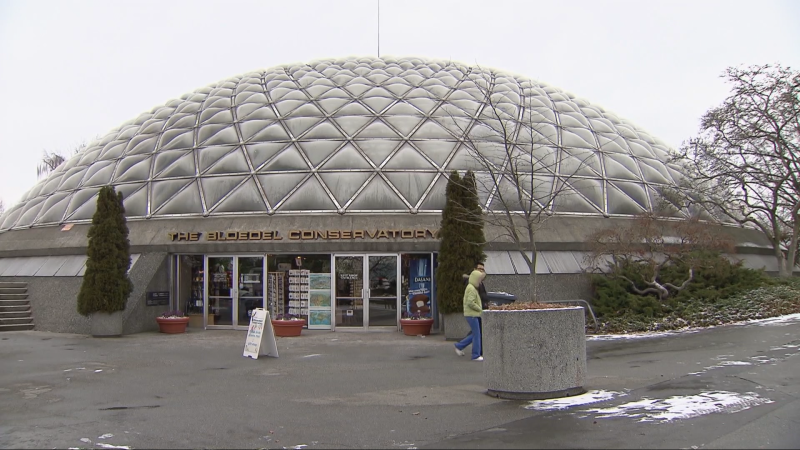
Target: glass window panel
73 264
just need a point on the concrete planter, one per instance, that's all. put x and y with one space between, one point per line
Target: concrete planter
106 324
455 326
534 354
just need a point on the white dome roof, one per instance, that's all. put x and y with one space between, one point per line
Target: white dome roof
345 136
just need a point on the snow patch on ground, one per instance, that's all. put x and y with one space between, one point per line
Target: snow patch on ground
575 400
682 407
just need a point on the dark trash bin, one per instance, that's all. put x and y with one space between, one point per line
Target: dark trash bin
500 298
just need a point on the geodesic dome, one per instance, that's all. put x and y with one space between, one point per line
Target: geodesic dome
365 135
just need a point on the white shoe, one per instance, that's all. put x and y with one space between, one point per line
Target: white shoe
459 352
479 358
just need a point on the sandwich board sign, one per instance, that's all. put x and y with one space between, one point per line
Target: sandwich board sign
260 336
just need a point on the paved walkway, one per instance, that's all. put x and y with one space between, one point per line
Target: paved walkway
387 390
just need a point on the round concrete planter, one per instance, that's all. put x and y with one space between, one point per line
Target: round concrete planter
106 324
534 354
456 327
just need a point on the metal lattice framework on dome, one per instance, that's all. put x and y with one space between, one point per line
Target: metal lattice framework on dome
364 135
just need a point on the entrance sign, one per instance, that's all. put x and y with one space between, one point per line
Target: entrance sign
260 336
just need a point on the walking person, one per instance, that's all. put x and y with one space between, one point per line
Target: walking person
482 293
472 312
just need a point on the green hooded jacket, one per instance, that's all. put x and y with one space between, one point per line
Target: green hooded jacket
472 300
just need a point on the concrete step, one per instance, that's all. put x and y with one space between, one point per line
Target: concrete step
20 327
14 314
13 284
17 321
13 296
13 302
15 308
13 290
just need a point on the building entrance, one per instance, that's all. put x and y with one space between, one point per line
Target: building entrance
367 294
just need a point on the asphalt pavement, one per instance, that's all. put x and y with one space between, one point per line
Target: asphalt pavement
727 387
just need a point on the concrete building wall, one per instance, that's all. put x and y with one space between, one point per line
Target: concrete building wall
54 299
549 287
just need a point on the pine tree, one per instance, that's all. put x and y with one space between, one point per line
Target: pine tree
461 242
106 286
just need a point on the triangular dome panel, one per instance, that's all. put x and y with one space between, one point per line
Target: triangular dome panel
134 199
377 149
162 191
317 151
308 197
408 159
343 185
208 156
53 208
346 158
411 184
215 188
233 162
245 198
187 201
288 159
277 185
435 200
626 198
83 204
377 196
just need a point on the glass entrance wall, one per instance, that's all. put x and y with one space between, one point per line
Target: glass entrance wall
250 295
382 294
349 291
417 285
220 290
300 285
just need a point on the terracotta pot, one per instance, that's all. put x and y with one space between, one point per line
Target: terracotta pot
288 328
416 327
173 325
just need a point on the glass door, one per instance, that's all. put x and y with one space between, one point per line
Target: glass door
250 292
382 273
220 290
349 278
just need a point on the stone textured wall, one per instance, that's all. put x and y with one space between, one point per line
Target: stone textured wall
534 354
54 299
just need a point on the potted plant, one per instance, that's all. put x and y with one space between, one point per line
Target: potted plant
416 324
172 322
106 287
287 325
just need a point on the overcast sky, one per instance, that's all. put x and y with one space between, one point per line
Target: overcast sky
73 70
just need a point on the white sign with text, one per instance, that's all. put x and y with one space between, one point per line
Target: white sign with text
260 336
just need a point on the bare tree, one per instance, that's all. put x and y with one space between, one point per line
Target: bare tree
745 163
51 160
520 169
653 244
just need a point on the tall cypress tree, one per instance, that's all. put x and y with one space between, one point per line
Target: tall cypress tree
106 286
472 217
461 246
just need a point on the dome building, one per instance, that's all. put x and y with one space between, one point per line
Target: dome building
317 189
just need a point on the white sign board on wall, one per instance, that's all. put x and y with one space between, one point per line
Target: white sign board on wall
260 336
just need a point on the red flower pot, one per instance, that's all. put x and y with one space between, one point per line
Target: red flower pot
416 327
172 325
288 328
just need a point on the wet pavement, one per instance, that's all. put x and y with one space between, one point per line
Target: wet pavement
726 387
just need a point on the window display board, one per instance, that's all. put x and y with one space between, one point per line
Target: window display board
319 301
260 336
298 293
